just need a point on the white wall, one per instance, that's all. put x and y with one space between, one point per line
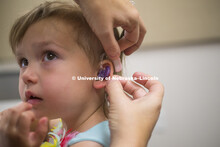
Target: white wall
191 106
5 104
190 112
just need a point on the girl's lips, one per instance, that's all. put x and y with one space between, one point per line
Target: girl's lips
32 98
34 101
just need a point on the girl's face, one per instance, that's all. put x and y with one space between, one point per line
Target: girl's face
48 57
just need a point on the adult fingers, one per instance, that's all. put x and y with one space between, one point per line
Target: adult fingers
110 45
115 91
142 33
133 89
131 27
130 38
154 86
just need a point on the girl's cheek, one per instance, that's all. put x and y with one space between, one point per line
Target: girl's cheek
21 90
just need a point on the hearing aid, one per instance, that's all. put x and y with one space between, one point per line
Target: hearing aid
104 72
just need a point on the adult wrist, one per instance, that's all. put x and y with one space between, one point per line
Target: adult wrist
129 139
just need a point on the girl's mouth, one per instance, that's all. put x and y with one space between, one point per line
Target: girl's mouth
32 98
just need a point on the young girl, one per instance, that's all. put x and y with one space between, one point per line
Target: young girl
52 44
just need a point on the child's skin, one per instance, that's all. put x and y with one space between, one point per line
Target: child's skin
53 58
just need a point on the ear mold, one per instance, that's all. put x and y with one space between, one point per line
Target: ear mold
104 72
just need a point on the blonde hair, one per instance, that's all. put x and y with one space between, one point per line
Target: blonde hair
70 13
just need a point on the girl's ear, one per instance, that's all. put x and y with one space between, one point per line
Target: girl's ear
105 71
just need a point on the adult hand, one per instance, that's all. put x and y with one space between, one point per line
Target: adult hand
104 15
15 127
132 120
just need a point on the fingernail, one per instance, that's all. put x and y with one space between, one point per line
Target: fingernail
117 64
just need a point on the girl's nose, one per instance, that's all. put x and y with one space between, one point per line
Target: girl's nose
29 76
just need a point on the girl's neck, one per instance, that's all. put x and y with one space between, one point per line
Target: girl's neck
90 119
96 117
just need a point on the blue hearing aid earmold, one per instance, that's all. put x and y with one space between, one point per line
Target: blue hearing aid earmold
105 72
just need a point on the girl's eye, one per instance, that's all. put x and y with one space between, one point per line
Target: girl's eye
49 56
23 62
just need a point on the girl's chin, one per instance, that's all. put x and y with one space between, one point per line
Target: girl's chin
39 113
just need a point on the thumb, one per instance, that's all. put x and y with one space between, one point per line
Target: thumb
115 91
111 47
40 134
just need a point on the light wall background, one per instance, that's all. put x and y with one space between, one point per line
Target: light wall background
182 48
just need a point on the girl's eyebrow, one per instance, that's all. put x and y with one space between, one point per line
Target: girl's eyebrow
18 53
43 44
39 45
36 45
